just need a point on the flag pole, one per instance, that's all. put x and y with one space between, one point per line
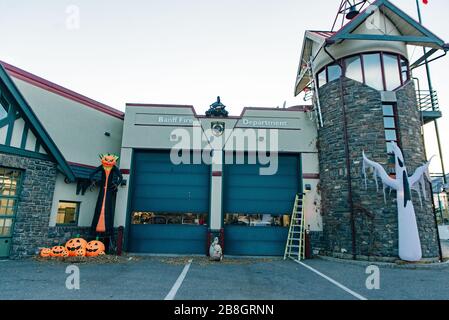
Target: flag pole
432 99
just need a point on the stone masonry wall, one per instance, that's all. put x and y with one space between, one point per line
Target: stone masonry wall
375 222
35 200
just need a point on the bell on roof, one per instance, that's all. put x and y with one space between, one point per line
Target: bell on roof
352 13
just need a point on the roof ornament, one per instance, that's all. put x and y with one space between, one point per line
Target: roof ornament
217 110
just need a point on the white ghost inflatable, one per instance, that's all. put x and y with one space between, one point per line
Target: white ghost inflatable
215 251
409 242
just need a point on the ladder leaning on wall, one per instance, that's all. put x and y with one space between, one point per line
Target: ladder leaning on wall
295 247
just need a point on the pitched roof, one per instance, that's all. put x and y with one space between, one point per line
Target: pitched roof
35 124
59 90
412 32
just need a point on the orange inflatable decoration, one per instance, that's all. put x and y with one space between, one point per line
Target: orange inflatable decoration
59 251
111 178
75 244
45 252
95 248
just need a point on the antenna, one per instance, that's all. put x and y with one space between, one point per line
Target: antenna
348 10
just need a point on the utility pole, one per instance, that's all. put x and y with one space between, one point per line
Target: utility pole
432 99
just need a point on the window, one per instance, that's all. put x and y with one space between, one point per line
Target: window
257 220
322 79
169 218
381 71
354 68
67 213
373 71
405 76
390 125
10 181
391 72
333 72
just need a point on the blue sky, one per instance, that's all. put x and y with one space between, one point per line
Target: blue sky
184 52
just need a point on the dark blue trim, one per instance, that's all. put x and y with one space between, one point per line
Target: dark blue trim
24 136
23 153
37 146
11 120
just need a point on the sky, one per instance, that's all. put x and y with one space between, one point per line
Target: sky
186 51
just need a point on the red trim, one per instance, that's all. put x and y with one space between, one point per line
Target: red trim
313 176
217 174
125 171
59 90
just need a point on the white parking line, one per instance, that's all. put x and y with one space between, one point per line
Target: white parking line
171 295
355 294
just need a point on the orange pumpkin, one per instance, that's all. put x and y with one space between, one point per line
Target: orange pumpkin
95 248
80 252
59 251
75 244
45 252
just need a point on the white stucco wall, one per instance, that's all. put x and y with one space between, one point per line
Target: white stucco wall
67 192
77 130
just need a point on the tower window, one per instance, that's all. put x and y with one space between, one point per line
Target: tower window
379 70
333 72
392 76
373 71
390 125
354 68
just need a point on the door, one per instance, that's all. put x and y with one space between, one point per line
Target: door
10 185
257 207
170 205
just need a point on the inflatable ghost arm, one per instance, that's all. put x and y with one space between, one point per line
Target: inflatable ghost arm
380 171
420 173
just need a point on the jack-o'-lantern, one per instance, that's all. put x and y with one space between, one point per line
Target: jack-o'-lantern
75 244
59 251
80 252
108 160
95 248
45 252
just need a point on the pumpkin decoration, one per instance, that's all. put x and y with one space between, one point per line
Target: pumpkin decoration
80 252
95 248
108 160
45 252
59 251
75 244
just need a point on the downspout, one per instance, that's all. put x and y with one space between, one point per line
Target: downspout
348 160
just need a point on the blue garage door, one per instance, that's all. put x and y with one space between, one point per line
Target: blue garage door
257 207
170 205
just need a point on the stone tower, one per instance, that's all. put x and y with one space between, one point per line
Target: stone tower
365 98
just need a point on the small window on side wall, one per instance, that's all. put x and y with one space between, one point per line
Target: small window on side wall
322 78
333 72
67 213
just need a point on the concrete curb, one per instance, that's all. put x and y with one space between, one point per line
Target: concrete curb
439 265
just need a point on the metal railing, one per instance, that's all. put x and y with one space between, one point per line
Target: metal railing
427 101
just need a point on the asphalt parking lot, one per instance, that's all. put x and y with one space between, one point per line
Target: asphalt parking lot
176 278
